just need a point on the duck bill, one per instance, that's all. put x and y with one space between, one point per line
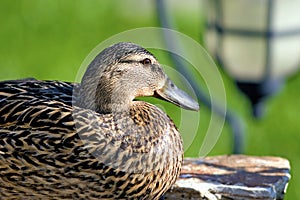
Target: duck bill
170 92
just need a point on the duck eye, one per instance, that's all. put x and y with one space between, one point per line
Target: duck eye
146 61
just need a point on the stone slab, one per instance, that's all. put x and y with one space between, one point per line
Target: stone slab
232 177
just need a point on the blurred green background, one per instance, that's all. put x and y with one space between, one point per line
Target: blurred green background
49 39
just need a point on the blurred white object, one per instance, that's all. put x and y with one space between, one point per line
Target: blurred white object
255 39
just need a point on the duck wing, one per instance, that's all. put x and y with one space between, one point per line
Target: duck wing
38 141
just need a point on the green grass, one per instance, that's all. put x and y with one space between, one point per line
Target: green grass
49 39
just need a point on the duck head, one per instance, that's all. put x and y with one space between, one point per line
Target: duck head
122 72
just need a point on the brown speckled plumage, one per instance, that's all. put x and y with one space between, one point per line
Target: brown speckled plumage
58 142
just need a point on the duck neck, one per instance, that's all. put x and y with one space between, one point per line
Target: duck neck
103 100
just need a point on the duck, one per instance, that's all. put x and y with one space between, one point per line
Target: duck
94 139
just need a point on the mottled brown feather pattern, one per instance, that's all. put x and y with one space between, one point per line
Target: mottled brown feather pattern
91 140
45 153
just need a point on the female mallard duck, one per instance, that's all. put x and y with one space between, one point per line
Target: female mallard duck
91 140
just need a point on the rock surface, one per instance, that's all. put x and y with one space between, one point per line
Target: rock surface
232 177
